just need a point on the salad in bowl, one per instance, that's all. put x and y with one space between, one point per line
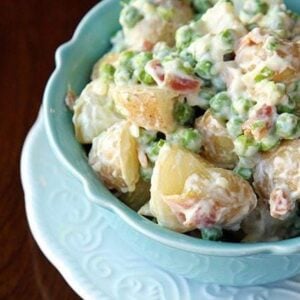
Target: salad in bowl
182 124
193 117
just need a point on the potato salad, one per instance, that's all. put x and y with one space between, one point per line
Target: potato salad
192 118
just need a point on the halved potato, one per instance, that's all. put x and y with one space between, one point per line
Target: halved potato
253 55
277 178
188 193
218 146
114 158
149 107
172 168
94 112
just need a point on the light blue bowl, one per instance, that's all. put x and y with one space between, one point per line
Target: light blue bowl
213 262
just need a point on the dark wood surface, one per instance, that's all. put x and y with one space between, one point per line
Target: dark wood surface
30 31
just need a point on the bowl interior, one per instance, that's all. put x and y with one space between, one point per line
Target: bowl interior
74 61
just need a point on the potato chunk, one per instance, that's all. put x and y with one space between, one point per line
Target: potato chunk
221 17
188 193
218 145
266 56
277 178
114 158
158 22
93 112
149 107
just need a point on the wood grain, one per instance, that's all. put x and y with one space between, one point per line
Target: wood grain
30 31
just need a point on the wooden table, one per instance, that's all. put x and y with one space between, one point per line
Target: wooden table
30 31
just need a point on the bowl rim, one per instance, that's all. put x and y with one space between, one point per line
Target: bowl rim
135 221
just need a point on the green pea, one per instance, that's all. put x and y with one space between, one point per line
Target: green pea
220 105
201 6
204 69
218 83
265 73
140 60
183 113
165 13
245 173
245 146
126 58
146 137
204 97
288 107
262 7
286 125
154 149
258 6
184 37
269 142
272 44
211 234
242 106
228 37
130 16
124 71
188 138
107 72
145 78
293 91
162 50
234 126
188 58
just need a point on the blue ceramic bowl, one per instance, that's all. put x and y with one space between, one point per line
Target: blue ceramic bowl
205 261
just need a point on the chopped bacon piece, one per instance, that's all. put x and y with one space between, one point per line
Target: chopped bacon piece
281 204
266 111
147 46
156 70
70 99
193 212
182 84
264 114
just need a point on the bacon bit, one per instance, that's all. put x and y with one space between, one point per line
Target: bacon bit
182 84
265 114
266 111
156 70
204 219
281 205
70 99
147 45
201 218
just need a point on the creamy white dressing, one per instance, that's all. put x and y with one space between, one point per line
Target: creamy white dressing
220 17
210 194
